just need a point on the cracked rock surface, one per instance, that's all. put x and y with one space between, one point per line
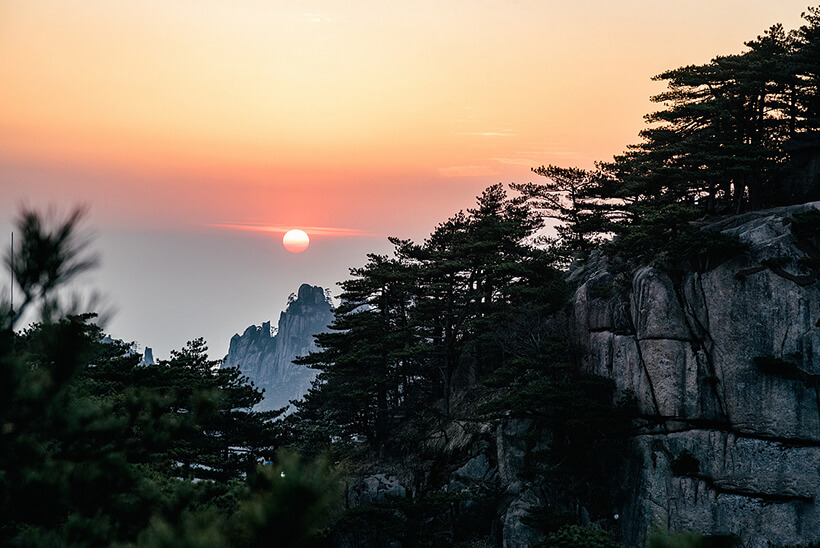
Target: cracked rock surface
684 346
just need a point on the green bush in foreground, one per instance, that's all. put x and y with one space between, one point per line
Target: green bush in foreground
575 536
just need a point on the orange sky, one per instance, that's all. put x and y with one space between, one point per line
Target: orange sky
355 93
363 115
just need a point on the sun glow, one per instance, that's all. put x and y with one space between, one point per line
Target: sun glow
296 241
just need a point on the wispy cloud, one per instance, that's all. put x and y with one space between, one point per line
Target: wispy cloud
537 156
279 229
466 171
515 161
503 133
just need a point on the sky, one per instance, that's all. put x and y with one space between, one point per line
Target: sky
187 126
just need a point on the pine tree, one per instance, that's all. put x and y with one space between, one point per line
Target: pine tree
361 362
97 450
717 145
412 327
569 197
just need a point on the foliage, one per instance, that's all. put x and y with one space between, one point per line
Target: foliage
587 434
568 197
292 501
50 254
411 326
692 540
476 305
548 520
575 536
429 520
806 225
717 145
96 449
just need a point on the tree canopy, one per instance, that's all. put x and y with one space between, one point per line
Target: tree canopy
98 450
413 326
719 144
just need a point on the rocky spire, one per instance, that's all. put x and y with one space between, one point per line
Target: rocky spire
266 356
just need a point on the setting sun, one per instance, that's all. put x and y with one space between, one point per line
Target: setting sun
563 273
296 241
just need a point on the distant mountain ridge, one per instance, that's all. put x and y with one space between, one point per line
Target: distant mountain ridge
266 356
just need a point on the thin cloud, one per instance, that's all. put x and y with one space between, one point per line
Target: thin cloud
515 161
465 171
536 157
280 229
505 133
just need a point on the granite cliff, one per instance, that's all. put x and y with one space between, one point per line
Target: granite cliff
724 365
721 363
266 356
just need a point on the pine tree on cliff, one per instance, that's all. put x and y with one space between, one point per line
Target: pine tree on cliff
472 268
362 358
409 327
807 69
716 146
718 140
569 197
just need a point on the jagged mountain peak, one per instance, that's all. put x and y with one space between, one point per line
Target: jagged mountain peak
308 295
265 355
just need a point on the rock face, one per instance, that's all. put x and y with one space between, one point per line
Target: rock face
475 463
722 362
724 366
266 357
147 357
375 488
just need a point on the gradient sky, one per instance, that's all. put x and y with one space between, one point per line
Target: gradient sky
182 124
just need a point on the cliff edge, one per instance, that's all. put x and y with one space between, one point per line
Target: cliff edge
723 365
